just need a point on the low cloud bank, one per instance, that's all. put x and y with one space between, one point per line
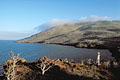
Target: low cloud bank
57 22
94 18
15 35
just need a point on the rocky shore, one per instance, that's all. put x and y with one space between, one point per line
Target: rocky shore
60 70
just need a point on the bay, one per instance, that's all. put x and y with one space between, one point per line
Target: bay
33 51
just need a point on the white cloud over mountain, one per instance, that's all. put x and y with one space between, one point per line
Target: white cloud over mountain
94 18
15 35
57 22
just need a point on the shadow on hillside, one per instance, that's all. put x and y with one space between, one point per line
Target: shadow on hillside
56 74
53 74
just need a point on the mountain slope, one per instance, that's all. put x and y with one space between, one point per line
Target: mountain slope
89 34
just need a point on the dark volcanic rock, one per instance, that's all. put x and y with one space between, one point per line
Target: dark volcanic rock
62 70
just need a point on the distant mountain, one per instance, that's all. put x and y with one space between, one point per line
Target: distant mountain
100 34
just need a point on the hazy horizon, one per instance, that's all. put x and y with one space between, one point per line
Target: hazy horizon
23 18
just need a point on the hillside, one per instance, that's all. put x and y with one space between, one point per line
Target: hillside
89 34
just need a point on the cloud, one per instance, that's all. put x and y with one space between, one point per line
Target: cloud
15 35
57 22
94 18
54 23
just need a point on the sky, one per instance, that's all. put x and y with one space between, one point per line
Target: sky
22 18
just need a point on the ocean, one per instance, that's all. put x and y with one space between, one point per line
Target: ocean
33 51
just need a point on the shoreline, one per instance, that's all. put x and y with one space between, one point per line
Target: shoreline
112 47
63 67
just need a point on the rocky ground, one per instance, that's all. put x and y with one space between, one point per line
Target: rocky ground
62 70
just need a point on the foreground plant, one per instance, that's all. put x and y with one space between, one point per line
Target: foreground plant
44 66
11 72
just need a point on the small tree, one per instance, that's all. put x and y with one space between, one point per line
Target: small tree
82 62
44 66
65 60
89 62
106 64
11 72
115 64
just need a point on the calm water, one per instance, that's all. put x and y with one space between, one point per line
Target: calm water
33 51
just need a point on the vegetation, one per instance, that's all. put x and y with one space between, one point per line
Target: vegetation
11 67
100 34
89 34
44 65
47 69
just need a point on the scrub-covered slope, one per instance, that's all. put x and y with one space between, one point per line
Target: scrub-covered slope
89 34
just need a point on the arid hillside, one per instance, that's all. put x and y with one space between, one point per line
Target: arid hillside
100 34
89 34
